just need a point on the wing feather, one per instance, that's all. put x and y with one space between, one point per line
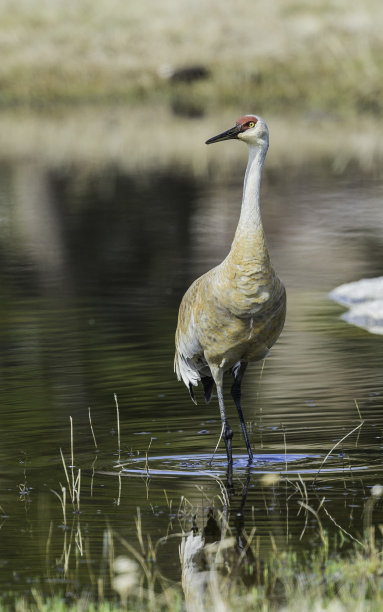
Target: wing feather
188 349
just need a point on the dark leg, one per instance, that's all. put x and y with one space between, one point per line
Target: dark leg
227 432
236 395
229 481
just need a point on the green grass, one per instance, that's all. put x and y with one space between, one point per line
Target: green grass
56 604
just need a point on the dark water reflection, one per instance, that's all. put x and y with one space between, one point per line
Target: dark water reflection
92 269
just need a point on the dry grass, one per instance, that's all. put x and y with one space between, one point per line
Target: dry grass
312 69
277 54
94 138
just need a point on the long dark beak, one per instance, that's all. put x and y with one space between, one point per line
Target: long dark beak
228 135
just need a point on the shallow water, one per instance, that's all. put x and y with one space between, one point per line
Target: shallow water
92 271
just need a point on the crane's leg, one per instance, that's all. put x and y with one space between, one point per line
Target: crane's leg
236 395
227 432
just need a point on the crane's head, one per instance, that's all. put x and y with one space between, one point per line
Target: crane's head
249 128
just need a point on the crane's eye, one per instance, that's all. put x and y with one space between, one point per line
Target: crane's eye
251 124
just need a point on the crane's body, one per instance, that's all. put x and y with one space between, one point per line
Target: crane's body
235 312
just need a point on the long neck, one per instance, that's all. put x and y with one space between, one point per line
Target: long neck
249 237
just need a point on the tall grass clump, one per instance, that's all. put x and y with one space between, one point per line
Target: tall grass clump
223 565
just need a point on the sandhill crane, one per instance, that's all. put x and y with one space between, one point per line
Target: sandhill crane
235 312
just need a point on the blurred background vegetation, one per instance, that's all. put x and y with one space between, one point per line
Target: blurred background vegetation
316 62
322 56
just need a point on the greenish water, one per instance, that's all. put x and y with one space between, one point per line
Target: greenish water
92 269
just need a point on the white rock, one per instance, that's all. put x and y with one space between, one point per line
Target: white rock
365 301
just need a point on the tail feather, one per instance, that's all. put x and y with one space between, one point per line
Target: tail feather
191 391
187 372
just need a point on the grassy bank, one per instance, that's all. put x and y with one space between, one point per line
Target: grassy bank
223 567
102 83
284 583
306 56
93 138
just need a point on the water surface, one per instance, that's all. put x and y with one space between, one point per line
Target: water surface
92 269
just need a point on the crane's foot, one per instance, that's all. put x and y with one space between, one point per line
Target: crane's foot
251 456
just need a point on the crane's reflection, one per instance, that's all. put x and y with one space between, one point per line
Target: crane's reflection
206 553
